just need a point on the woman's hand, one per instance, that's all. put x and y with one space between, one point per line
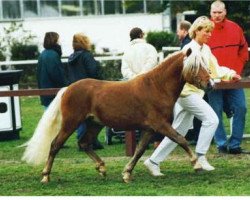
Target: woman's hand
236 78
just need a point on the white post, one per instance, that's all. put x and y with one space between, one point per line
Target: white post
160 56
8 57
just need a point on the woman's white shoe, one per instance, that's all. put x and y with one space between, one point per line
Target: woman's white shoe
153 168
205 164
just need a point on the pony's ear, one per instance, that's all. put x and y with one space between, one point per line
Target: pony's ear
188 52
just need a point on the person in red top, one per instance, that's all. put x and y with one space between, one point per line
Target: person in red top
229 46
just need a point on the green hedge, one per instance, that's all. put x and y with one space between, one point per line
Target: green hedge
110 70
2 57
161 39
24 52
28 77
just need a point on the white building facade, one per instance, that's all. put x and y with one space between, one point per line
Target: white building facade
106 22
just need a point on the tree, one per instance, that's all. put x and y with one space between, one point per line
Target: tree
15 39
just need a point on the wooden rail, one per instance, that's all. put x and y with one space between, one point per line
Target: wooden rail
64 60
130 138
29 92
243 83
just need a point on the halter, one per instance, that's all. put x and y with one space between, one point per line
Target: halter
192 65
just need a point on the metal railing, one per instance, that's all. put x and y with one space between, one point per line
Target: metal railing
178 48
64 60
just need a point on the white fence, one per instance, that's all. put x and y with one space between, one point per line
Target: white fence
64 60
178 48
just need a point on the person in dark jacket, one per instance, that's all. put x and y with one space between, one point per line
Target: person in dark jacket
50 72
182 33
81 65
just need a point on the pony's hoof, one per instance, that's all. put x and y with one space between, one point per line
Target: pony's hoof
126 177
199 171
45 179
103 174
102 170
193 161
198 167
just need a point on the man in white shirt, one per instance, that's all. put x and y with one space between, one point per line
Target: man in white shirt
140 57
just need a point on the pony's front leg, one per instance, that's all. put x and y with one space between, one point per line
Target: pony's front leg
55 147
127 171
172 134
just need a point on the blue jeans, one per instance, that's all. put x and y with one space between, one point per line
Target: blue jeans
81 130
234 100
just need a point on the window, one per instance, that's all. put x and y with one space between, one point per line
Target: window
134 6
155 6
70 8
92 7
113 6
30 8
49 8
11 9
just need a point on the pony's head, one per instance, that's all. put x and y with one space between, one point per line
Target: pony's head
195 70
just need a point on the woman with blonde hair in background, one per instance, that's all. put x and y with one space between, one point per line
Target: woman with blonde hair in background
81 65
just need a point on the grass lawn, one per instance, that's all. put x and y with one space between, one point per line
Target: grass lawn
74 174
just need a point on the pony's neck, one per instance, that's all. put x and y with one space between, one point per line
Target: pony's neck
168 75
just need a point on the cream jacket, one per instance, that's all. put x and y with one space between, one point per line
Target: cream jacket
139 58
216 71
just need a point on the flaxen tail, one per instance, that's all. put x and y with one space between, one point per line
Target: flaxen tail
38 146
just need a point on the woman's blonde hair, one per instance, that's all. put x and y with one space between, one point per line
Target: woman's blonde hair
200 23
81 41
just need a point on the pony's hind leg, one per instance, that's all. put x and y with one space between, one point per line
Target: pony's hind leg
140 149
86 142
56 144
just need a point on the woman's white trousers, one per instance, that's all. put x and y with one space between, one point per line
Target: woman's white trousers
184 111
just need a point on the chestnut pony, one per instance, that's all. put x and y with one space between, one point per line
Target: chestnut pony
145 102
